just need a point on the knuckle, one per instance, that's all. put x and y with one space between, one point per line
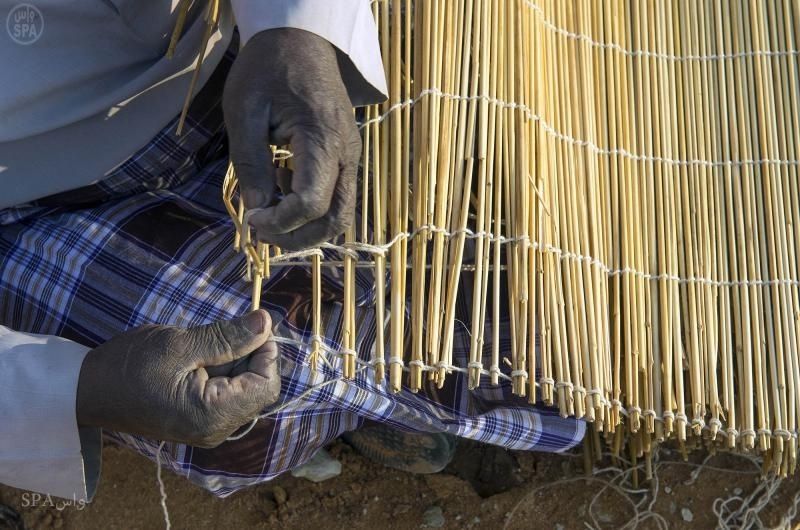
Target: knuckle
331 230
328 229
356 144
339 223
272 393
314 207
217 335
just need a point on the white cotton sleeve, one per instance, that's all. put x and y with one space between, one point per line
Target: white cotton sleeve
41 447
347 24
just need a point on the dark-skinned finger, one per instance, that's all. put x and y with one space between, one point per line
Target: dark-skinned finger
248 136
314 179
243 396
284 179
338 219
224 341
265 361
230 369
342 210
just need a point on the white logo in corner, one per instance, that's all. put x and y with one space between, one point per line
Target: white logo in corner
25 24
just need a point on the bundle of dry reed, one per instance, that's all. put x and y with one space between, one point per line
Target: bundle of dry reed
625 175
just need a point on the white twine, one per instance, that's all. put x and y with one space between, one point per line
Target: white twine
650 54
748 432
289 258
764 432
345 250
418 363
161 488
243 433
587 144
783 433
281 154
348 352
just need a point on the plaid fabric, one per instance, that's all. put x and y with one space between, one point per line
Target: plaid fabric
153 244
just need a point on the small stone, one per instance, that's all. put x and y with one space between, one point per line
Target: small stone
280 495
687 515
560 526
667 490
738 491
433 517
319 468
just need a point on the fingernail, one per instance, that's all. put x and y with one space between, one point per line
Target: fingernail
254 198
254 322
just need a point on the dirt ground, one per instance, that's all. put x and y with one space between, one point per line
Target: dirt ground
484 487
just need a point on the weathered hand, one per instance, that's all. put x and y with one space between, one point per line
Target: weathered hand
165 382
286 88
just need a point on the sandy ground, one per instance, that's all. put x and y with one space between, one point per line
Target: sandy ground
484 487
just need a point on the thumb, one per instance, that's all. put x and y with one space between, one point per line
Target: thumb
227 340
248 393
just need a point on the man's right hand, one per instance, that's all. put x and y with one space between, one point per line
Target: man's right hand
286 88
179 384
